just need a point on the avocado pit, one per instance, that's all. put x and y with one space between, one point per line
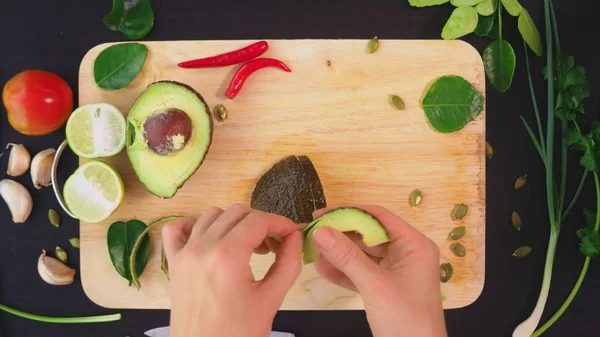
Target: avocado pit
167 132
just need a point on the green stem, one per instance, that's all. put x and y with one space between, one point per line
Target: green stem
536 109
499 20
555 28
582 274
577 193
528 326
563 173
550 122
65 320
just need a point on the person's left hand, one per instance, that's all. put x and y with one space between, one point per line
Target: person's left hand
213 290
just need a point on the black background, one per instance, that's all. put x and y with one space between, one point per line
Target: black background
55 34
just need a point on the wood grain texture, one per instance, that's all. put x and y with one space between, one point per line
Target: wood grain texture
333 107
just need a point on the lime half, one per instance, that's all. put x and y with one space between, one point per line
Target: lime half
94 191
96 130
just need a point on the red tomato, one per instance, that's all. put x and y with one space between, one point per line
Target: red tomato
38 102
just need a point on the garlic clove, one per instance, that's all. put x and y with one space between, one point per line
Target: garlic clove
54 272
18 160
17 198
41 167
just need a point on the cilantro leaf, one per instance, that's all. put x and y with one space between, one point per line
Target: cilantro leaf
590 159
572 85
590 242
590 217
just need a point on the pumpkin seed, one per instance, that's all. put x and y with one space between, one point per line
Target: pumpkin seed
515 218
220 112
446 272
74 242
61 254
415 197
522 251
457 233
373 45
443 297
489 150
458 249
459 212
521 182
54 217
396 102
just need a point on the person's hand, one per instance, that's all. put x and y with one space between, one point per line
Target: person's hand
398 281
213 290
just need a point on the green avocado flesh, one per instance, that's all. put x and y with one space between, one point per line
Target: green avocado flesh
348 219
291 188
169 133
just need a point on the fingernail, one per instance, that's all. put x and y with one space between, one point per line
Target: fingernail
324 238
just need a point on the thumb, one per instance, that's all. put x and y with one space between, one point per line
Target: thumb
286 268
345 255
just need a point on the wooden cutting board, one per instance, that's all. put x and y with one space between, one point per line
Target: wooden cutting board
334 108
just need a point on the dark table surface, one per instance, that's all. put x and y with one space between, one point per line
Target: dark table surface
54 35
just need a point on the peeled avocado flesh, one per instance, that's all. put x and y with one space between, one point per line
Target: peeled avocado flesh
163 175
347 219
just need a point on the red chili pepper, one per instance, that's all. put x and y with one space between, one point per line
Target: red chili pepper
247 69
233 57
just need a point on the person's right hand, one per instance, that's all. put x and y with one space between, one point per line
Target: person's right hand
398 281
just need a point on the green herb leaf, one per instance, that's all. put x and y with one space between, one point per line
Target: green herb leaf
461 3
513 7
590 159
462 21
133 18
485 24
590 217
590 241
121 238
530 33
426 3
116 66
451 103
573 87
499 61
487 7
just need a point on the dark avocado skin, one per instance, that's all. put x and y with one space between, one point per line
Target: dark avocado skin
291 188
209 118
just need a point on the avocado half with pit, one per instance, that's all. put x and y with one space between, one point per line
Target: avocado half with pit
169 133
346 219
290 188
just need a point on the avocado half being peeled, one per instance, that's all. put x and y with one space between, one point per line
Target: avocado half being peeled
291 188
346 219
169 133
